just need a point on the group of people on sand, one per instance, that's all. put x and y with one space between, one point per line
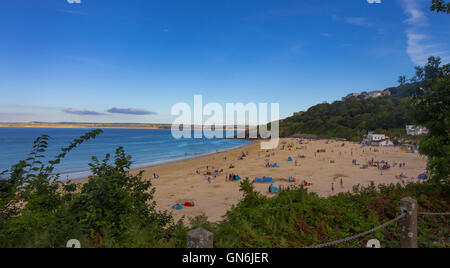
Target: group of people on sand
231 177
210 173
281 188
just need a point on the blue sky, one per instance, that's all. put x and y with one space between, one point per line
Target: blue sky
130 61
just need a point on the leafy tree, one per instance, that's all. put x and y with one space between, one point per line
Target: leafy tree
440 6
420 73
432 109
432 67
401 80
113 198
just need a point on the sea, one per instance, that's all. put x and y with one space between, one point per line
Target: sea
146 146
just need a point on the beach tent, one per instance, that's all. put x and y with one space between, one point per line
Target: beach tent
422 176
274 189
264 180
290 159
236 177
177 207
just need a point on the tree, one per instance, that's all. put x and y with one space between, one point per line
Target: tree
401 80
432 67
440 6
432 109
420 73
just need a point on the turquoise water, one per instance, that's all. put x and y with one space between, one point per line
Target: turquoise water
147 147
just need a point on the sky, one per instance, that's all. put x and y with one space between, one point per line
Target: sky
131 61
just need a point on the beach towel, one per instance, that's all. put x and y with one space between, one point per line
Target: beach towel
189 204
177 207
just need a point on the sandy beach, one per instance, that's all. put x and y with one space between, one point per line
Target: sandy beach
179 182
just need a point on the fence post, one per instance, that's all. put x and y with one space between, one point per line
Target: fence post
408 237
200 238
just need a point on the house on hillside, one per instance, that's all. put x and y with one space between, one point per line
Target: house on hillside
372 139
416 130
352 95
375 94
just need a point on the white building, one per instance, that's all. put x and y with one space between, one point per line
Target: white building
373 139
385 142
416 130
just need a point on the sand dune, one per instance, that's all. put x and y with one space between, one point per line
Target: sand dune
179 182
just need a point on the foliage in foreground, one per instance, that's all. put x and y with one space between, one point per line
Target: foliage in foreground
297 218
113 209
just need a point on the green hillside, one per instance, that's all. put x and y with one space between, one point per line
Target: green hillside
354 116
385 111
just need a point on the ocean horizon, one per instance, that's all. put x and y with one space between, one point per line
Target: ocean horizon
148 147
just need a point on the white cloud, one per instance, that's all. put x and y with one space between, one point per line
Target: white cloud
419 44
374 1
358 21
74 1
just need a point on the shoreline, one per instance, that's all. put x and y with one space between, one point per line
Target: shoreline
167 162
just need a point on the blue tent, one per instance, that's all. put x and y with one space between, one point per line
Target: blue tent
422 176
290 159
237 178
264 180
177 207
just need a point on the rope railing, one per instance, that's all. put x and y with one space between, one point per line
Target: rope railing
200 238
359 235
434 214
375 229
